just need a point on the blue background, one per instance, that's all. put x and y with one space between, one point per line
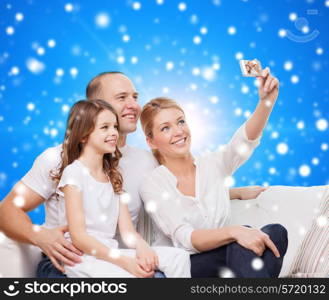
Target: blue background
189 54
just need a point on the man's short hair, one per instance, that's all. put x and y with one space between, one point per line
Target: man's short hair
94 86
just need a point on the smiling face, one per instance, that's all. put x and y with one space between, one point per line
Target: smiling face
105 135
170 134
120 92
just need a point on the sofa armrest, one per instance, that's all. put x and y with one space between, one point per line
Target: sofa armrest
293 207
18 259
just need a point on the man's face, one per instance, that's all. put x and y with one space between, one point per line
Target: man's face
120 92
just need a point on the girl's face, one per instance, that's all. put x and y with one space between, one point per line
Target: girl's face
171 134
105 135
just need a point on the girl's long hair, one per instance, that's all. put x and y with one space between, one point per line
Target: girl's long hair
80 124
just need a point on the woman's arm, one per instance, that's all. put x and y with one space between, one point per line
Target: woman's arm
250 238
209 239
268 92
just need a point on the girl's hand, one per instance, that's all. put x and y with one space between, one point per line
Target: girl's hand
132 266
254 239
268 88
146 257
250 192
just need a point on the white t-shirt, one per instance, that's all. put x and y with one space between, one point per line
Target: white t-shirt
134 165
178 215
100 203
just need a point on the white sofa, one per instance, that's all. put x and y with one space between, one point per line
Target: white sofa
293 207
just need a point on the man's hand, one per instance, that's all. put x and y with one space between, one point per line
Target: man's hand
251 192
57 248
247 192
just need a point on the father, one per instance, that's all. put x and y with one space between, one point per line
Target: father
36 187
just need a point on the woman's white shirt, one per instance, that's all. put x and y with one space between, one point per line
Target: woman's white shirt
177 215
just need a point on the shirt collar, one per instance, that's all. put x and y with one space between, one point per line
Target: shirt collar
171 176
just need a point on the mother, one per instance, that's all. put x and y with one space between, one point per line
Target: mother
189 201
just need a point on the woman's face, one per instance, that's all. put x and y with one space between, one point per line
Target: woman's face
171 134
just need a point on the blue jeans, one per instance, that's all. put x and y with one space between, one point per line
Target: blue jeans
46 269
239 259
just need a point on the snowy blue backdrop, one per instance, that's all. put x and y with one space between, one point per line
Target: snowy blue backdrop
188 50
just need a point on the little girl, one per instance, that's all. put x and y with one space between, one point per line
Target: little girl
92 202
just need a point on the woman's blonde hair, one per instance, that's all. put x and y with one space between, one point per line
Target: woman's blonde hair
80 124
150 110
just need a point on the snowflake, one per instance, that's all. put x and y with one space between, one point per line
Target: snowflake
125 198
19 17
51 43
304 170
121 59
68 7
19 201
315 161
35 66
282 148
30 106
225 272
151 207
74 72
293 16
300 125
322 221
294 79
203 30
231 30
182 6
257 263
214 99
282 33
10 30
14 70
134 60
136 5
322 124
288 65
229 181
197 40
102 20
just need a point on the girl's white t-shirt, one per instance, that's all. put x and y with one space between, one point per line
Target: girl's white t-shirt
100 203
134 164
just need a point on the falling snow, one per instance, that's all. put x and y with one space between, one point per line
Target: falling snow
45 70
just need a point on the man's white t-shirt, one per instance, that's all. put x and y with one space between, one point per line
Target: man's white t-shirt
134 165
